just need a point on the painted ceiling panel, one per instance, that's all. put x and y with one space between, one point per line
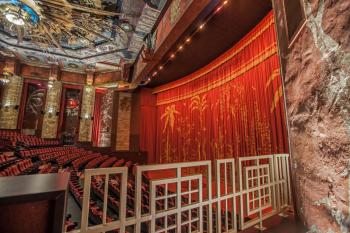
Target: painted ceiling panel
81 32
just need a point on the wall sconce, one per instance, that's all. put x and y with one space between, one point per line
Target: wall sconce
88 89
50 83
8 106
86 117
51 112
5 78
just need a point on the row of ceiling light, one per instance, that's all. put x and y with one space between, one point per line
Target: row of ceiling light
181 47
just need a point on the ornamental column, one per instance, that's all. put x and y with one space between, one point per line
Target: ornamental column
11 95
53 103
122 121
87 108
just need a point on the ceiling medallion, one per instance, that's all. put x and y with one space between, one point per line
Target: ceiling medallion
21 12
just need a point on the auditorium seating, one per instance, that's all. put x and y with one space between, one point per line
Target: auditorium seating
18 168
47 168
6 157
108 162
24 140
45 151
119 163
75 160
96 162
68 158
81 161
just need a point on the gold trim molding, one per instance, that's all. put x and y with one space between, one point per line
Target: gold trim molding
253 62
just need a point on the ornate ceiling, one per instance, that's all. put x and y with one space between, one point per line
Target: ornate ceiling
76 34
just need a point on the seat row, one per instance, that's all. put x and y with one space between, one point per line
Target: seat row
16 169
80 162
66 159
62 156
96 162
6 157
26 140
47 150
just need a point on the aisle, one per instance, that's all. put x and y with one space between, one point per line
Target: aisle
73 209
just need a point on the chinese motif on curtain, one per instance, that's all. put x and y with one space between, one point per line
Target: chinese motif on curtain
232 107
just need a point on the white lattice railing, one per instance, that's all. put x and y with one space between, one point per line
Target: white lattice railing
188 197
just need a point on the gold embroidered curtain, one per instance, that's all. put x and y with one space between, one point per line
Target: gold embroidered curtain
232 107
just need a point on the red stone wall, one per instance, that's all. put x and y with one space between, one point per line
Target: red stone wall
317 87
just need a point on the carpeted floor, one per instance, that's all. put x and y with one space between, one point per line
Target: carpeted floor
280 225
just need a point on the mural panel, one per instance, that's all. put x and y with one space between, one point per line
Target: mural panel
34 105
71 114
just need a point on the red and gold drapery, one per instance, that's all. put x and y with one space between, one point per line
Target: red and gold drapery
232 107
96 124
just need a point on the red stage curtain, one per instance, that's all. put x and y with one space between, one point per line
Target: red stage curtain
97 117
233 107
148 124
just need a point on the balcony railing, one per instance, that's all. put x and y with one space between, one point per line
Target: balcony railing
191 197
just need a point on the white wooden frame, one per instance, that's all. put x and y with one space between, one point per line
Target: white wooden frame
262 180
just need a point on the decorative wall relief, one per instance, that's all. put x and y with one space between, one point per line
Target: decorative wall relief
106 119
33 107
10 103
85 127
52 108
317 85
124 121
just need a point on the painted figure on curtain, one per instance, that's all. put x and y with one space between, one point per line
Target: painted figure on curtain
199 104
71 115
35 102
33 108
169 117
233 108
72 108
